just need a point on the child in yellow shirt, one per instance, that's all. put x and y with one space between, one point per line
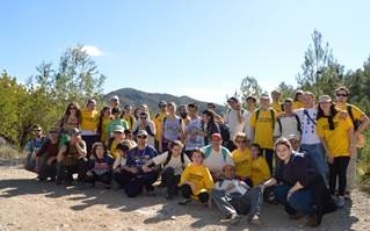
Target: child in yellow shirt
260 171
196 180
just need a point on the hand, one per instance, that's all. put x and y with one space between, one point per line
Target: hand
147 169
330 159
134 170
89 173
51 160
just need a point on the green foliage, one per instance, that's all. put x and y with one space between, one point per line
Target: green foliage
47 94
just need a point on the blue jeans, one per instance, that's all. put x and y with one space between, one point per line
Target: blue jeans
248 204
317 153
300 201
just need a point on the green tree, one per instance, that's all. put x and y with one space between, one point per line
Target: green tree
321 73
249 86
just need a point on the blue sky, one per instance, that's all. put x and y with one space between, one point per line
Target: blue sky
201 48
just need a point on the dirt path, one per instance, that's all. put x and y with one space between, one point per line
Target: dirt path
29 205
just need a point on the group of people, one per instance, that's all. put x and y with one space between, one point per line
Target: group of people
227 161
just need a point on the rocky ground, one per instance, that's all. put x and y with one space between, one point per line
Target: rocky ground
26 204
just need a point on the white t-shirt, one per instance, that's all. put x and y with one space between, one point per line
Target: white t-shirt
194 141
231 120
289 126
215 162
175 162
247 128
235 186
308 128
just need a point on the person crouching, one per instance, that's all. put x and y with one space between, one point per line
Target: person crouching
99 167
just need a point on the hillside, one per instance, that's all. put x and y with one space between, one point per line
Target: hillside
135 98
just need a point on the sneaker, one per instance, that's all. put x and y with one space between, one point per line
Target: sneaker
312 221
256 220
185 201
340 202
232 219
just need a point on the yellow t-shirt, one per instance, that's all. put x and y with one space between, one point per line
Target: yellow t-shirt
356 112
242 161
277 107
260 171
130 121
89 120
113 149
105 135
263 128
199 175
158 122
297 105
337 140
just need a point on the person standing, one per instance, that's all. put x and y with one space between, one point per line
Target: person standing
360 122
337 136
310 141
263 122
234 119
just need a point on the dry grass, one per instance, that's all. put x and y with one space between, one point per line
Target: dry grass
9 152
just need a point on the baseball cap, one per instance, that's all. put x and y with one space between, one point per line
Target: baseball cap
233 99
325 99
114 98
75 132
216 135
142 133
119 128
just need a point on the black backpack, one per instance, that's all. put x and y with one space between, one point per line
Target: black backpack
169 156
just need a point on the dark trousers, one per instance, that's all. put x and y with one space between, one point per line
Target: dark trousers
170 180
105 178
338 169
66 169
47 170
269 155
122 177
186 193
136 182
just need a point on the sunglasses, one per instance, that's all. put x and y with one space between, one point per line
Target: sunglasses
71 108
143 117
141 137
53 132
343 95
37 130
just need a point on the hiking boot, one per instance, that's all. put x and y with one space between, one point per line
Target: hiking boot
312 221
185 201
256 220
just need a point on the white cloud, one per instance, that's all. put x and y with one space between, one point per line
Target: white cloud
92 50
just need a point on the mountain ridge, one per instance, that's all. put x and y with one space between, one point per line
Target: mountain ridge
136 97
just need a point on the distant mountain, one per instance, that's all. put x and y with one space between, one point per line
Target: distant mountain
136 98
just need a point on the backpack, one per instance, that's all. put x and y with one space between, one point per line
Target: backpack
272 113
208 150
356 123
298 124
169 157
